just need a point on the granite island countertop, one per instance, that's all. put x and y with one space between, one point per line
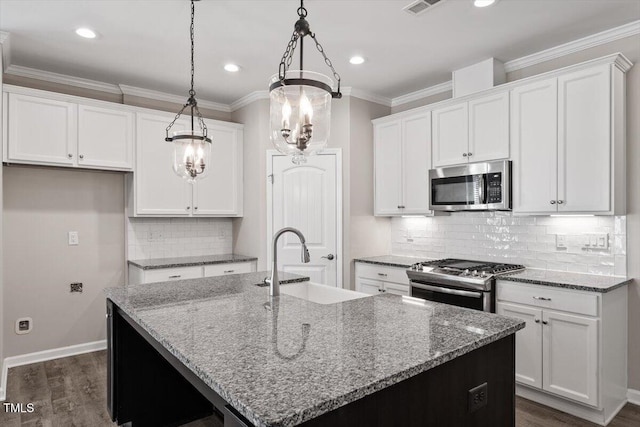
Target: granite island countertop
189 261
567 280
283 361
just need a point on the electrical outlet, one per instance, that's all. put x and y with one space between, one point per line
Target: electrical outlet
561 241
74 239
478 397
24 325
75 287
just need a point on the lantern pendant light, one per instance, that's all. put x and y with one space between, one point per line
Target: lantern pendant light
300 101
191 148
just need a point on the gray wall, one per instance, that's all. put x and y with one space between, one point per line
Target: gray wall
630 47
40 207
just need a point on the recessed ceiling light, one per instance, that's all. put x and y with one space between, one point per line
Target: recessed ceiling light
232 68
86 33
483 3
356 60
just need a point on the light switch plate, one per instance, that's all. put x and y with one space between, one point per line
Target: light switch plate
74 239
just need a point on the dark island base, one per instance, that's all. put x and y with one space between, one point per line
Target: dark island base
148 386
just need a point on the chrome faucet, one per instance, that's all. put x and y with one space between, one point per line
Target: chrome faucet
274 283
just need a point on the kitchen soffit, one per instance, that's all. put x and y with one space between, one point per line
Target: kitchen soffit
140 41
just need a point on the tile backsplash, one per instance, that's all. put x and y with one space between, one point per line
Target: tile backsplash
527 240
172 237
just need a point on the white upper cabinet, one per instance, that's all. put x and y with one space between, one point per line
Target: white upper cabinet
105 137
402 163
584 141
534 139
45 128
158 190
489 128
41 131
473 131
220 192
155 190
450 135
568 153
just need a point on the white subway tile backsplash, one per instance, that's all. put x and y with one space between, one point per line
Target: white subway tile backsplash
529 240
173 237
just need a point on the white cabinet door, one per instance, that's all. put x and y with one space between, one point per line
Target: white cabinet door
528 343
158 190
220 192
42 131
416 162
489 128
105 138
534 121
450 135
388 168
367 286
396 289
584 141
570 356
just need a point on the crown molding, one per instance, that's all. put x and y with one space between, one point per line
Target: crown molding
168 97
5 41
366 96
248 99
32 73
627 30
422 93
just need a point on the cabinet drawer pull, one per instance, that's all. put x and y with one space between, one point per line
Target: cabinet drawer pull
542 298
175 276
382 274
229 271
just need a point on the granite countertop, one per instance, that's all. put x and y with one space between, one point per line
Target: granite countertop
282 361
391 260
188 261
563 279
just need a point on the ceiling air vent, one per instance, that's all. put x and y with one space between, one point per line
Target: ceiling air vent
420 6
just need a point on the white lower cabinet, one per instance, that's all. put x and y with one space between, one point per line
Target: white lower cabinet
373 279
572 351
139 276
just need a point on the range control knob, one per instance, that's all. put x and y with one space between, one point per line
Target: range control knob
466 271
475 272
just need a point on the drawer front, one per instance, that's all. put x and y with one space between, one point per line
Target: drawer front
379 272
367 286
547 297
231 268
167 274
397 289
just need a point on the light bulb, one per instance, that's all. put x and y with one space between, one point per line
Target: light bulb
286 114
305 109
188 154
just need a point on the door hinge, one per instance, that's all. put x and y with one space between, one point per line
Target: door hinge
270 178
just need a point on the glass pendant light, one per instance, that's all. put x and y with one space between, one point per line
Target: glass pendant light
300 101
191 148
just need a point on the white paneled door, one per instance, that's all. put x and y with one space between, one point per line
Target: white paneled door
306 197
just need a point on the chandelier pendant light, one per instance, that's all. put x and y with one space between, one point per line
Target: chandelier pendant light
300 101
191 148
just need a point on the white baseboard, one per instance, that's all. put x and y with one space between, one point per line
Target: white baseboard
633 396
43 356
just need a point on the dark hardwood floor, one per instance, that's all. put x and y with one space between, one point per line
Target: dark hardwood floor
71 392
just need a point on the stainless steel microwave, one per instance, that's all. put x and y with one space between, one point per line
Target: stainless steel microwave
476 186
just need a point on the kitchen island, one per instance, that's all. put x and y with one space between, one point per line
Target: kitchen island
180 350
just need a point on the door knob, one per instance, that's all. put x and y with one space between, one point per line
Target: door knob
330 257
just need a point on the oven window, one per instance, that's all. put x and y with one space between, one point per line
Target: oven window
460 301
458 190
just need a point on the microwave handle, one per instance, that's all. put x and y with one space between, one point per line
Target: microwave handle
483 189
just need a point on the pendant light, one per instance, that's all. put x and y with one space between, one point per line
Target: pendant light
300 101
191 148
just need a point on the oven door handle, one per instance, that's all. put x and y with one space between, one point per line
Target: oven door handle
447 290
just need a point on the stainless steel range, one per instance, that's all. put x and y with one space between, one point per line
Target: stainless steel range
458 282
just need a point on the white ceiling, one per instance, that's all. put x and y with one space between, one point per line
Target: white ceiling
144 43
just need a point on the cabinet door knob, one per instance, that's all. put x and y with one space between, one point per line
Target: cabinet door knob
195 208
464 154
379 290
544 322
81 156
188 207
537 320
560 202
70 155
553 202
469 154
